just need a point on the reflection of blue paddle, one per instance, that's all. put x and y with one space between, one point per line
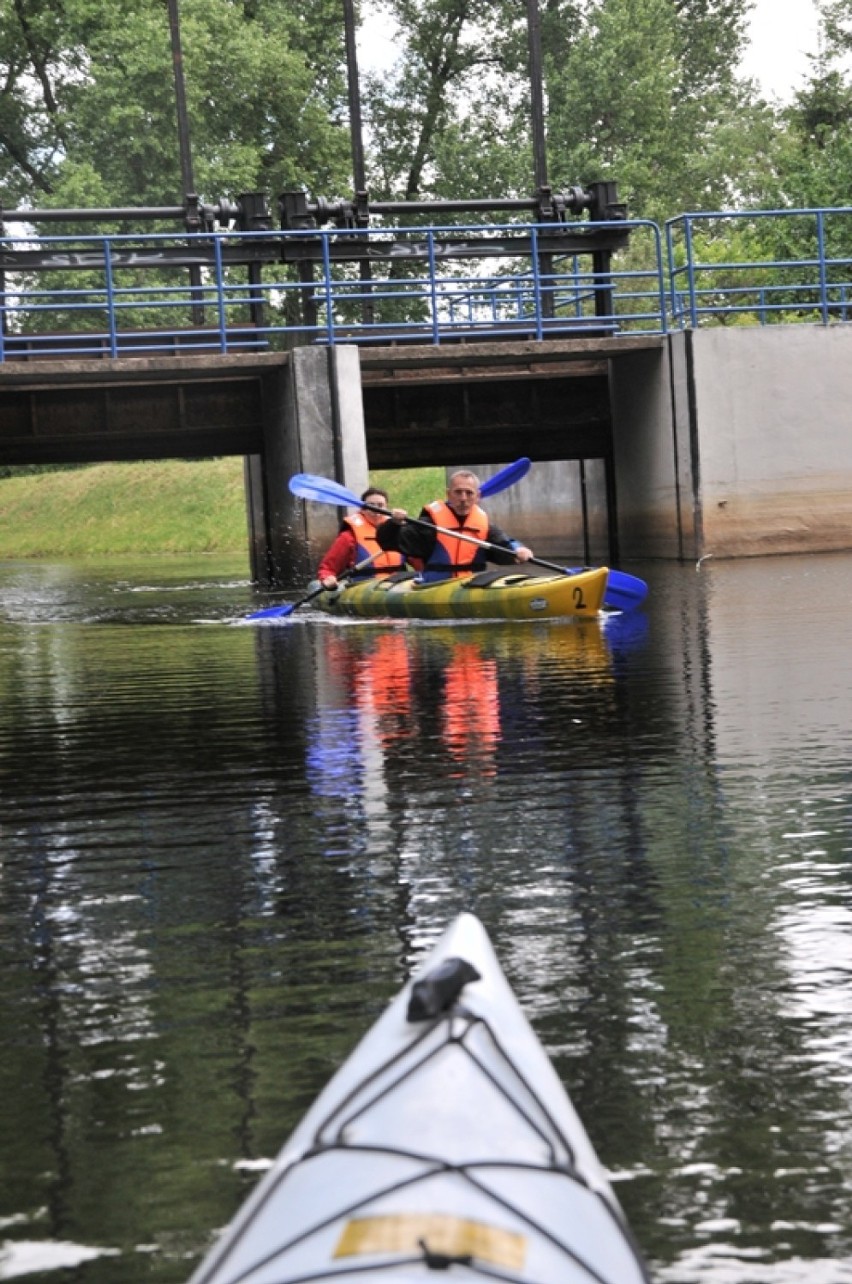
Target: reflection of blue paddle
500 481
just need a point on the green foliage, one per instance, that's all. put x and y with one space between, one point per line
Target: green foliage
446 116
171 506
837 27
411 488
88 116
818 145
167 506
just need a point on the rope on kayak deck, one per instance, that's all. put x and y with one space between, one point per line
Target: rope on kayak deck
560 1163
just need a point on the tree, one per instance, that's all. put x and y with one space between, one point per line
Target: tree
642 92
647 96
444 121
87 107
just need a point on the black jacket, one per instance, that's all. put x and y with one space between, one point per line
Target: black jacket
416 541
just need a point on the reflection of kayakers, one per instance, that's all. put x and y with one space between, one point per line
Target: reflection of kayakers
442 553
471 709
365 704
382 686
356 543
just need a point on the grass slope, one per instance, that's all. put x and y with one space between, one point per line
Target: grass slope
163 506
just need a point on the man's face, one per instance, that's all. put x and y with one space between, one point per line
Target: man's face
462 494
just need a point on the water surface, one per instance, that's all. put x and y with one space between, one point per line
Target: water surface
224 847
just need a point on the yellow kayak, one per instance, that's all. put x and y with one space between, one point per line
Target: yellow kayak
490 595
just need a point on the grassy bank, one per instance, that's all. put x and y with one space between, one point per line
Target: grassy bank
159 507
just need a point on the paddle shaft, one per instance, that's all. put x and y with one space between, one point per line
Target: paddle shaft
624 592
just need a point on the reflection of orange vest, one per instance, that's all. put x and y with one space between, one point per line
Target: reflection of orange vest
382 683
452 556
366 545
471 709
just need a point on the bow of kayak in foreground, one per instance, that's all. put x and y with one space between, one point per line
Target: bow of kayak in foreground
445 1141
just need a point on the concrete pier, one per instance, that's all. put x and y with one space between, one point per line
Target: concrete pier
736 443
765 417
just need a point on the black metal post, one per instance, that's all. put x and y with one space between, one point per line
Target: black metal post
183 141
584 507
536 94
538 137
180 100
355 129
359 173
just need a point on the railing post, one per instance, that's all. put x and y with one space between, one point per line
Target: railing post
220 296
113 337
690 272
539 328
329 297
661 278
433 291
823 280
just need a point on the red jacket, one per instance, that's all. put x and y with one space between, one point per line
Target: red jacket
356 542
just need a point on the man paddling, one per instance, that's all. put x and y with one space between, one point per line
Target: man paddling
441 553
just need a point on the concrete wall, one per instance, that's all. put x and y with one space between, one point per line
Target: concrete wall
766 415
545 510
653 468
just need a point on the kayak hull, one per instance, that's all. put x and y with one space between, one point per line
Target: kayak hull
442 1141
509 595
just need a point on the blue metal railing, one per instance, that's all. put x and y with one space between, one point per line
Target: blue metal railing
760 267
231 292
126 295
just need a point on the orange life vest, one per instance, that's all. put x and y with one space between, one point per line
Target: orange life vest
366 545
452 556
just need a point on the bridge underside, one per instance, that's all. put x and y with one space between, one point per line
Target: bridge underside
482 404
78 412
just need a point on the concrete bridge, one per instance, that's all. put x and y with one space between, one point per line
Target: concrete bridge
728 442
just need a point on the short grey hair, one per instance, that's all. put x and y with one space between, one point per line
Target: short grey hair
464 472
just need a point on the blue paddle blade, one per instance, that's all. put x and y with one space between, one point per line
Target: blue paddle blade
273 612
506 477
321 489
623 592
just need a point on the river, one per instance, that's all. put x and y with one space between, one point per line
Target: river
225 846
